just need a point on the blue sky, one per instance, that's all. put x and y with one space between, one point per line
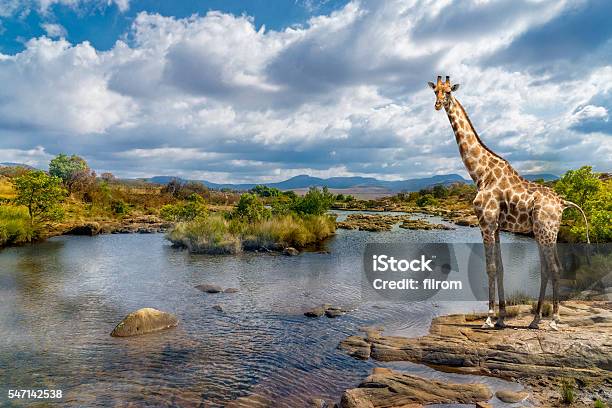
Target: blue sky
260 91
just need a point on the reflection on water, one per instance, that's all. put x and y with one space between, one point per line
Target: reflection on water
61 299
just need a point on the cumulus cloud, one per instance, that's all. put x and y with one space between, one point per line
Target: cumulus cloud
214 97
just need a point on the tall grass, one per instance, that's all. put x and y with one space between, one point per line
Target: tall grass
209 235
215 234
14 225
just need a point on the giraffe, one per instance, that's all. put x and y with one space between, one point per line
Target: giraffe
506 201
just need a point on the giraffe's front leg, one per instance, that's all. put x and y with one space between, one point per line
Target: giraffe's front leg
491 273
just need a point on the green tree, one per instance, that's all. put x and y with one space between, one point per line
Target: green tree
70 169
594 195
440 191
315 201
41 194
265 191
426 199
579 185
251 209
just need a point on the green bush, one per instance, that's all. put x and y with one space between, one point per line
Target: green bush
314 202
251 209
15 225
193 208
119 207
425 200
265 191
599 404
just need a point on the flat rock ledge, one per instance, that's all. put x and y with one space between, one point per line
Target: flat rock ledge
580 351
145 320
389 388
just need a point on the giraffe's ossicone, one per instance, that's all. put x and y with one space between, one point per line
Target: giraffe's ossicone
506 201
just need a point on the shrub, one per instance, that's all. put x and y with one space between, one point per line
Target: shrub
425 200
567 391
546 308
314 202
518 298
440 191
186 211
119 207
512 311
265 191
15 225
599 404
251 209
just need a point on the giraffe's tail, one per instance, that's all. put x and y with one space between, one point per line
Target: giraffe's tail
586 222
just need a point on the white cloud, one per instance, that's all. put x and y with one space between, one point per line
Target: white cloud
36 157
343 94
54 30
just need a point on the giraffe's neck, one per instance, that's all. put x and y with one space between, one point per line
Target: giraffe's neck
475 155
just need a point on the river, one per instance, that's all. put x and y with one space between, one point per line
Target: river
60 299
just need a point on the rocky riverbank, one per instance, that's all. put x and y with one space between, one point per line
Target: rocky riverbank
384 222
144 224
578 356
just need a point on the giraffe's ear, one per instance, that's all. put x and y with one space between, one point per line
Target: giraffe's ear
431 85
454 87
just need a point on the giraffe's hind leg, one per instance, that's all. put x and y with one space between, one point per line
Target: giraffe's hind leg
545 228
535 323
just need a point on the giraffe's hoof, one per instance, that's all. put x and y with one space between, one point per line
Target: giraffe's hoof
534 324
553 325
488 324
500 324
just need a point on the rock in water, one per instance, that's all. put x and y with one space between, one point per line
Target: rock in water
290 251
145 320
315 312
231 290
210 288
333 312
218 308
389 388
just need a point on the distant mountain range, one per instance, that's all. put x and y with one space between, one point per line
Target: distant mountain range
337 183
11 164
304 181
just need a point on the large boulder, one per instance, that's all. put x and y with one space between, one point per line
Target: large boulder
388 388
145 320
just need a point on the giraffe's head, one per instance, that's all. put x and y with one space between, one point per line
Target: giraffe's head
443 92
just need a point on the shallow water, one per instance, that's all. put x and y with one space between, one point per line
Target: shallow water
62 298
